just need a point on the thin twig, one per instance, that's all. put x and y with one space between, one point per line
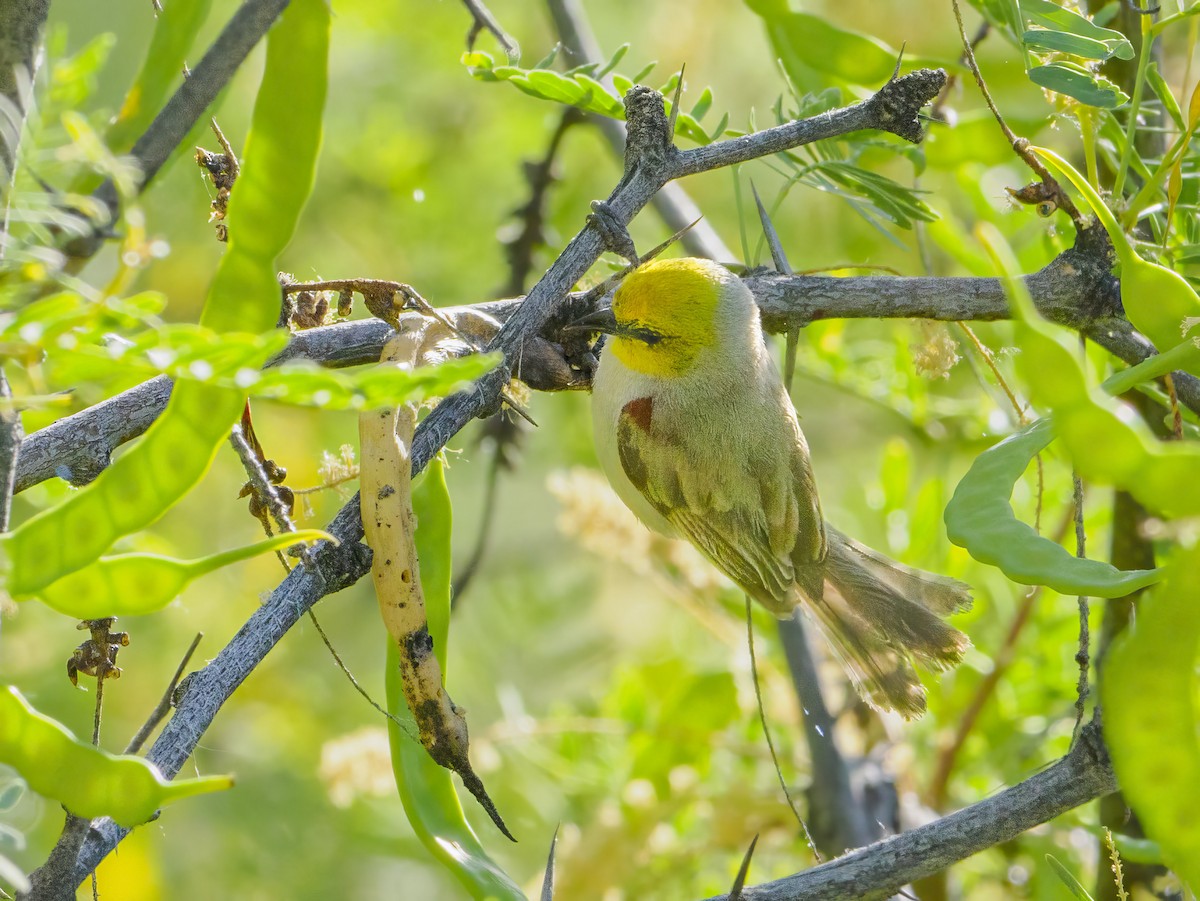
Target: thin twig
762 717
283 520
12 433
483 20
1019 145
519 251
1082 656
163 707
406 728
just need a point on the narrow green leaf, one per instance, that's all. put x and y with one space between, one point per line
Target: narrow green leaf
1067 879
703 105
136 584
1043 41
1079 83
426 789
1057 18
640 76
87 781
277 174
1150 723
980 519
613 60
1163 91
544 63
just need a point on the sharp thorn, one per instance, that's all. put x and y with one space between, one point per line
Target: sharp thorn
548 879
739 882
778 257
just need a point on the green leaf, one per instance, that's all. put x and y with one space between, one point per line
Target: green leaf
1163 91
613 61
580 90
426 789
703 105
1058 19
277 174
1043 41
1068 879
87 781
136 584
805 40
1077 82
814 41
899 204
1138 850
1150 723
231 361
980 519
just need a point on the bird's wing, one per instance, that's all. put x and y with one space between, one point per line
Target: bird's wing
759 524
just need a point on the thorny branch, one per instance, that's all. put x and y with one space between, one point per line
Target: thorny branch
879 870
1075 290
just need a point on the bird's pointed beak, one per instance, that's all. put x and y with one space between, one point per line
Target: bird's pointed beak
597 321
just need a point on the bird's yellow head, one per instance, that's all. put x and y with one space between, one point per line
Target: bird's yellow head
666 314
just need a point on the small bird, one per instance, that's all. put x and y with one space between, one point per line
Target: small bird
697 435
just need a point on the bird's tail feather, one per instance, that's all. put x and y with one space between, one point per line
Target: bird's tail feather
880 616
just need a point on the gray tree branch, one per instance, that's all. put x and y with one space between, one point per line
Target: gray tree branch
879 870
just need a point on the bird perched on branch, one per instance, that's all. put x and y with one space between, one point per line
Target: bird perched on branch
697 434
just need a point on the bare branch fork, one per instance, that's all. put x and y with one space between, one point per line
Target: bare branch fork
651 161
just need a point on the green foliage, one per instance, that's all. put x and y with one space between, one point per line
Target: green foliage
1150 720
980 519
577 87
278 169
1068 879
426 789
88 781
611 696
134 584
807 43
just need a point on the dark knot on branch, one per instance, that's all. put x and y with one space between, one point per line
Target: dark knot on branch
649 144
900 100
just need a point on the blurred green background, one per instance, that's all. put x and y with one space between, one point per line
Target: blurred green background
606 677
